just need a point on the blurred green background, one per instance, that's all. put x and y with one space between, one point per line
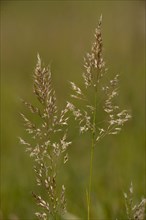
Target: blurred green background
62 32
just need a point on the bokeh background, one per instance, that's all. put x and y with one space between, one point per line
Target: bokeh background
62 32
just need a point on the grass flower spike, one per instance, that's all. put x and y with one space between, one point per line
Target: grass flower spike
48 146
114 117
134 212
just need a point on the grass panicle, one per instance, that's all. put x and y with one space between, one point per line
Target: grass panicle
134 212
48 147
115 118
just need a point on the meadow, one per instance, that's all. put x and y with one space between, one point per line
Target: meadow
62 33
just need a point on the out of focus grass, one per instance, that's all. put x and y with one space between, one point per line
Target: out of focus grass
62 32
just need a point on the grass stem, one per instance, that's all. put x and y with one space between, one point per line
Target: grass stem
92 157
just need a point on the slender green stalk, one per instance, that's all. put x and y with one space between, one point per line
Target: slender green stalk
92 156
90 176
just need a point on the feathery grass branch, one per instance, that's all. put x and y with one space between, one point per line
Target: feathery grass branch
49 145
134 212
95 70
